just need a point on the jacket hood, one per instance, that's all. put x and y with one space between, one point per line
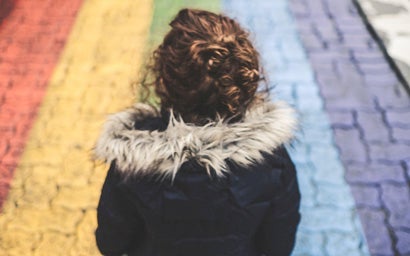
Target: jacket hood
264 127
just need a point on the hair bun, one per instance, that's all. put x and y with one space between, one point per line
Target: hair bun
206 67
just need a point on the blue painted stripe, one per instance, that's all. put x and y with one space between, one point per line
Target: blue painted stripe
330 225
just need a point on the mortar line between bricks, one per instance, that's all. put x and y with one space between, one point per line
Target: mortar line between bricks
384 119
24 92
291 72
361 135
56 187
382 48
390 229
406 173
372 153
83 226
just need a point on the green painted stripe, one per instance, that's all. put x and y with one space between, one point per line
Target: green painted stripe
165 11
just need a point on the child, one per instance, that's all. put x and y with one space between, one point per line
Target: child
207 174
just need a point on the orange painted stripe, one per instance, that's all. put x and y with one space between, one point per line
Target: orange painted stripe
51 205
32 36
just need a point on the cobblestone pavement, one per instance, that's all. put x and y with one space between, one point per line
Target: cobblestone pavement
370 116
391 21
329 223
352 154
50 209
30 45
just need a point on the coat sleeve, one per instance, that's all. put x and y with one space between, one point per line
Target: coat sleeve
120 227
277 232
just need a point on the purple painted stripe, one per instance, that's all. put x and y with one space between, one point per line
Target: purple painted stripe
329 223
370 114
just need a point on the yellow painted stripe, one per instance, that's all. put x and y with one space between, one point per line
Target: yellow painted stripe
51 205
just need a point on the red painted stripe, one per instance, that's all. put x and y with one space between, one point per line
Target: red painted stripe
32 36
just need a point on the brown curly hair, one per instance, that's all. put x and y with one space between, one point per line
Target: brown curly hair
206 67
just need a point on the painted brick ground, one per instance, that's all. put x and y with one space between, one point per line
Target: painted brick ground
30 44
370 116
386 18
51 206
329 223
51 209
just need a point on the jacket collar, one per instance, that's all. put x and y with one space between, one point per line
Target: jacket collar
264 127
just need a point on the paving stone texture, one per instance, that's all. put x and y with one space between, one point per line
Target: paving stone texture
30 45
391 21
370 116
329 225
51 206
352 155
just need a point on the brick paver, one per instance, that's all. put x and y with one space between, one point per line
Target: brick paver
30 44
369 110
387 18
51 207
329 223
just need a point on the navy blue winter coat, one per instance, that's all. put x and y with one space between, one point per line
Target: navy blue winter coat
184 190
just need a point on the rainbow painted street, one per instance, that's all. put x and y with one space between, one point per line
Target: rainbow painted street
66 65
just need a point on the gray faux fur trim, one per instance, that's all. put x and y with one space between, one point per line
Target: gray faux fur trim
265 127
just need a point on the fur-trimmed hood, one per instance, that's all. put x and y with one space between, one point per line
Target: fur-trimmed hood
265 127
